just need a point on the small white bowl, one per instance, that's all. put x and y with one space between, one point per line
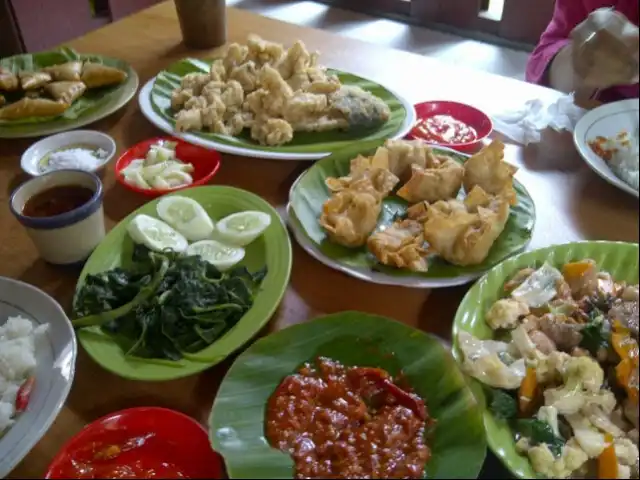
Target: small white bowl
32 157
67 238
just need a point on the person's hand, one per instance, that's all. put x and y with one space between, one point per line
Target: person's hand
605 50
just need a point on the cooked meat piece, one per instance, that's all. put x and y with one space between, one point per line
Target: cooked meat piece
631 412
630 293
561 330
633 435
579 352
530 323
627 314
542 342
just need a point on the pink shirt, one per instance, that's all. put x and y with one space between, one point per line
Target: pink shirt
567 14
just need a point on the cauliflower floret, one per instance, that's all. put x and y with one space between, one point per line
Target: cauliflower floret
589 438
600 419
549 415
624 471
545 463
583 378
626 451
505 313
550 367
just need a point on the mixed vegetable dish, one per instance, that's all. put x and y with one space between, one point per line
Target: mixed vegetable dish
562 369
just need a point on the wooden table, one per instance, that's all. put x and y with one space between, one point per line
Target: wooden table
572 203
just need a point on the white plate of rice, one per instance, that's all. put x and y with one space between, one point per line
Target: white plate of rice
36 339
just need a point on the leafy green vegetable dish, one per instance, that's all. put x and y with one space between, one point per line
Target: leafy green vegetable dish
562 369
167 305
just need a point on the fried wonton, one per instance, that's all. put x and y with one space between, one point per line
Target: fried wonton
32 107
401 154
464 232
33 80
400 245
350 216
432 184
8 80
67 92
96 75
382 180
488 170
65 72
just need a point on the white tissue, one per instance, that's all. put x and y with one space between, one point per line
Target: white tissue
525 125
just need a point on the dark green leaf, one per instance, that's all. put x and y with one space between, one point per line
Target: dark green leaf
539 432
503 405
596 334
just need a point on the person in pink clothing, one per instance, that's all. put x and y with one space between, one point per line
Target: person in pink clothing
578 54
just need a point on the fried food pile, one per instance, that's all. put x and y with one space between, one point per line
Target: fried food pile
460 231
49 92
273 91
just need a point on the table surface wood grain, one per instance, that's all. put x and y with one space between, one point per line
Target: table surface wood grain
572 202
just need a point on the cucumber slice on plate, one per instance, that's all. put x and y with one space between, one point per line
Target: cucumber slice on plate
221 256
242 228
187 216
155 234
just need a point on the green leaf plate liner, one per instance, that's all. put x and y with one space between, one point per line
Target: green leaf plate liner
273 248
237 419
618 258
303 142
310 192
89 106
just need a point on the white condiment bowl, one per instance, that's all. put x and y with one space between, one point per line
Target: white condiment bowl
67 238
32 157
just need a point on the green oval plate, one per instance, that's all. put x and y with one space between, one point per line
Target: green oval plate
310 192
236 423
91 107
273 248
618 258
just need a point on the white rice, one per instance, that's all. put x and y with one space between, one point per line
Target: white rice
18 340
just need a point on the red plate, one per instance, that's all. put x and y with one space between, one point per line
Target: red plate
467 114
205 163
171 442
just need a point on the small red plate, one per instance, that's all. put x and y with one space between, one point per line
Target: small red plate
205 163
473 117
172 442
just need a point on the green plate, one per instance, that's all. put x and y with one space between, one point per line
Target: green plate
237 419
273 248
92 106
303 142
310 192
619 259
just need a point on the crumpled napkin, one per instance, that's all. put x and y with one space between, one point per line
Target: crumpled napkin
526 124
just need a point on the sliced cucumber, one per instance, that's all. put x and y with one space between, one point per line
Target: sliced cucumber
187 216
222 256
242 228
156 234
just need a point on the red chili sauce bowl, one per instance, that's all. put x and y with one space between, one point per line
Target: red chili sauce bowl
144 442
468 115
205 163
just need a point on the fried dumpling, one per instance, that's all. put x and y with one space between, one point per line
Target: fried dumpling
488 170
96 75
433 184
350 216
401 154
463 232
32 107
8 80
379 178
33 80
67 72
67 92
400 245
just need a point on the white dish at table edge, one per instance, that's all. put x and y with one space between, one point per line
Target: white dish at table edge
33 155
144 100
54 372
369 275
589 127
